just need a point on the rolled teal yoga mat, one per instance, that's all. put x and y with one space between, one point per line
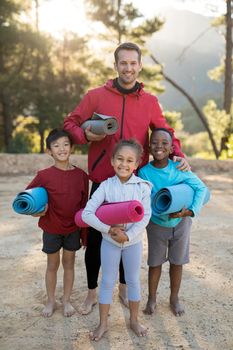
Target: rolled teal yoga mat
172 199
30 201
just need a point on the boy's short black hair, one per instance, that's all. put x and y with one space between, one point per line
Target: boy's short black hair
161 129
56 134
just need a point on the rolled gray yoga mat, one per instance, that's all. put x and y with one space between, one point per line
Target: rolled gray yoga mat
101 124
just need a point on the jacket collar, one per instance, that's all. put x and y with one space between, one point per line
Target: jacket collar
132 180
110 86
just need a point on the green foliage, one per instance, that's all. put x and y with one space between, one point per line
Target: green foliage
174 120
192 124
25 138
218 120
123 22
217 73
218 21
24 135
147 28
60 81
39 76
20 143
228 153
42 79
230 147
152 77
116 16
197 145
18 43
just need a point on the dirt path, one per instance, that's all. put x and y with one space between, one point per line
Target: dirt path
207 289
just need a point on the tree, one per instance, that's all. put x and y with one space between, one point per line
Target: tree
40 77
116 15
194 105
17 44
123 22
224 71
61 75
10 68
210 121
228 59
116 18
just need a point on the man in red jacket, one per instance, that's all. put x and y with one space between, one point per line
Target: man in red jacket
136 111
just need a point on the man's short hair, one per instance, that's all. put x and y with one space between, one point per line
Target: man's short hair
128 46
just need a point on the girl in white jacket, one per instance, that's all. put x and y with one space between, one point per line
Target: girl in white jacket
120 241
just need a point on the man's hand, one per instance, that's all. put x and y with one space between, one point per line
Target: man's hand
118 234
183 163
42 213
90 136
181 214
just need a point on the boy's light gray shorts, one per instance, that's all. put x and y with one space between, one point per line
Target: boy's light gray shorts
169 243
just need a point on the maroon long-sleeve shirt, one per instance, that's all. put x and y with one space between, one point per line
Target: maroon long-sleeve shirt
67 193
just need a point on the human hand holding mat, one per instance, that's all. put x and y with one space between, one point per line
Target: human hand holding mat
172 199
101 124
115 213
31 201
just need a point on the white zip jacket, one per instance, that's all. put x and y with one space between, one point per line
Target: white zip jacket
112 190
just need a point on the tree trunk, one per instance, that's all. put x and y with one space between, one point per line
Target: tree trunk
228 61
228 74
41 133
118 21
194 105
7 121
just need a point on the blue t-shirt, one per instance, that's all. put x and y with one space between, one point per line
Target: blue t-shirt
169 176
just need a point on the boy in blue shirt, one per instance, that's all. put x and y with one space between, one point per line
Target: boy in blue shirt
168 235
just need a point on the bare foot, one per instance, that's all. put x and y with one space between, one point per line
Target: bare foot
138 329
123 294
49 309
176 307
150 307
89 302
68 309
98 332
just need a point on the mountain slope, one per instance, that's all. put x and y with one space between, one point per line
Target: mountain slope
188 47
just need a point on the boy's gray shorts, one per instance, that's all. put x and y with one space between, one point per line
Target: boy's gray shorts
169 243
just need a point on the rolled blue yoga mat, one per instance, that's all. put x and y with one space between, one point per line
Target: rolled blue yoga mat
172 199
30 201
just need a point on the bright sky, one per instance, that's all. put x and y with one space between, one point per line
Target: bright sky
204 7
59 15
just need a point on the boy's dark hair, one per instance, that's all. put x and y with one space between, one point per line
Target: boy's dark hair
56 134
128 46
161 129
134 144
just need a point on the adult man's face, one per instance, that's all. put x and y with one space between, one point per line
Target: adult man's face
128 68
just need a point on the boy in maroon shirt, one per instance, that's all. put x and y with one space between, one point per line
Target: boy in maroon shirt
67 188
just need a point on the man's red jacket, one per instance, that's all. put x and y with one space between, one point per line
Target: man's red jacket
136 113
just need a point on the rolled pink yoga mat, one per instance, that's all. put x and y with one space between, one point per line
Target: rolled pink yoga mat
115 213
